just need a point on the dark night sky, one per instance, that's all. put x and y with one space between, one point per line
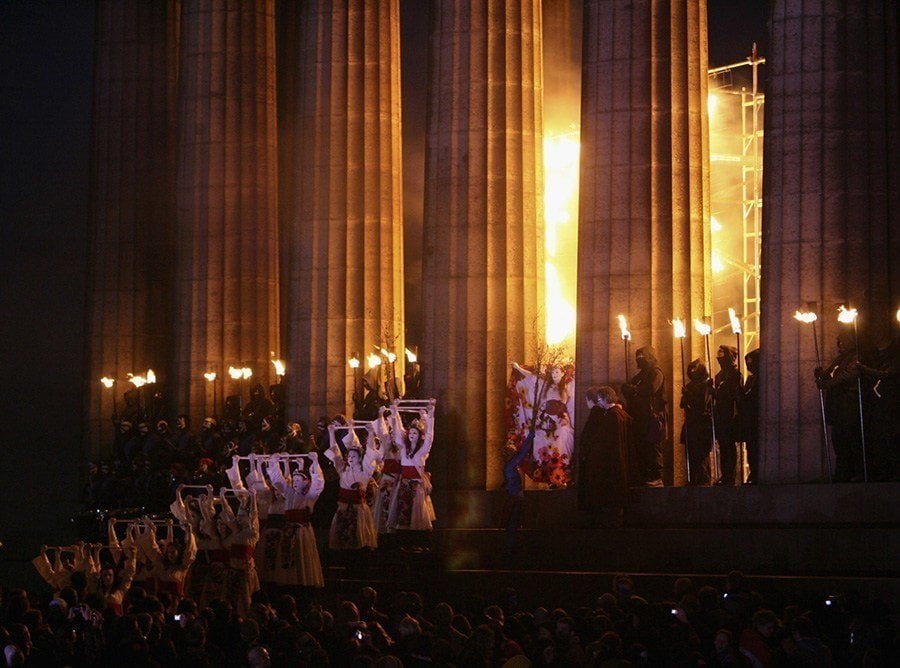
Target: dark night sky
45 98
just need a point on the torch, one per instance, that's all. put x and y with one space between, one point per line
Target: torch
391 358
110 383
626 337
211 378
373 361
680 333
354 364
279 370
704 330
736 330
848 316
138 382
809 317
413 373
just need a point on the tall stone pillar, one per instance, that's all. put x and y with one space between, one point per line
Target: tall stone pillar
644 204
227 255
345 270
483 237
830 230
132 204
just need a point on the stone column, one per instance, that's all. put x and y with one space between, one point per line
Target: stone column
227 288
644 205
483 237
345 270
831 167
132 204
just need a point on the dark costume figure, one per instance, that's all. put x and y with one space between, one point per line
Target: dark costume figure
839 380
187 447
276 418
880 404
367 407
257 408
412 381
646 405
748 407
603 454
728 384
696 432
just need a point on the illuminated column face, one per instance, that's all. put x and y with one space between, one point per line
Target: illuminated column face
562 24
227 260
483 261
561 154
345 238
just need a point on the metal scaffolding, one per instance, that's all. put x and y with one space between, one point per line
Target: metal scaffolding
750 158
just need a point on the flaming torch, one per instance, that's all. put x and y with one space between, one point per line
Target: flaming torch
110 383
279 370
626 337
391 358
240 374
809 318
211 378
849 316
680 333
704 330
736 330
138 382
354 364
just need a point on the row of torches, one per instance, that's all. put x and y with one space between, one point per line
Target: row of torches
242 374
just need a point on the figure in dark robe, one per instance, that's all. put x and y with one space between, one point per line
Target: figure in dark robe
728 384
645 403
603 456
748 408
839 381
696 432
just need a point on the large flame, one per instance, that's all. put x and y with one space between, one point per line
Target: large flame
561 164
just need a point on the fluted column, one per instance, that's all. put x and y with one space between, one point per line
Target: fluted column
644 204
346 242
132 204
483 237
227 252
831 168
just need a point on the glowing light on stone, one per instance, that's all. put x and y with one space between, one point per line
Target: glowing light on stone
561 164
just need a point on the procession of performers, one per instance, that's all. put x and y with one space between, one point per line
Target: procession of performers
235 530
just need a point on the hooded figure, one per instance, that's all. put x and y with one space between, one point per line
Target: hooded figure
257 408
839 381
645 403
748 409
696 432
728 384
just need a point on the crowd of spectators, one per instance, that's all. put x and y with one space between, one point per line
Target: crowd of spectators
699 626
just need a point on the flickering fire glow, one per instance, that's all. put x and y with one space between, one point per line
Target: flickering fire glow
847 315
623 327
678 328
735 322
561 164
805 316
